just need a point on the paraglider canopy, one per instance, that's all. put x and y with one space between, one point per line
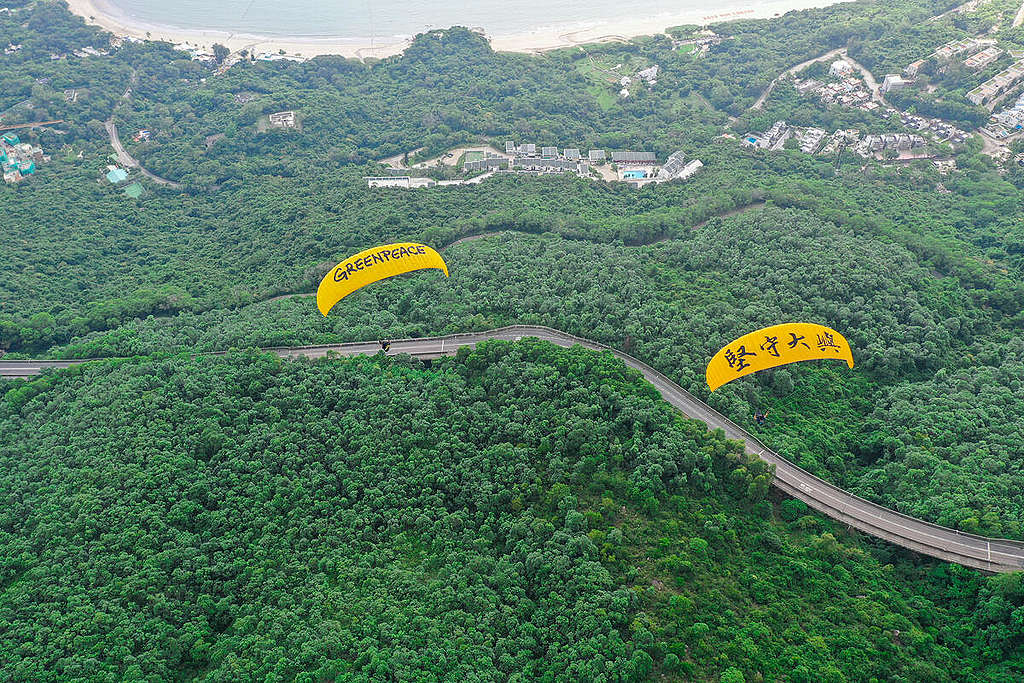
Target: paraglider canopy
776 345
372 265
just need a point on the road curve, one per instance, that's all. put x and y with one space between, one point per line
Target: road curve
869 79
980 552
127 160
789 72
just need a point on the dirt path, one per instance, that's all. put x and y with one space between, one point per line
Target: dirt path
991 147
398 161
469 238
869 78
731 212
452 156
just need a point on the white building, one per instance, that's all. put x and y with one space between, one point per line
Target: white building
650 74
810 139
690 169
283 119
893 82
984 58
840 68
402 181
914 67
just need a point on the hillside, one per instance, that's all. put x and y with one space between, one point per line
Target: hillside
519 512
674 303
245 517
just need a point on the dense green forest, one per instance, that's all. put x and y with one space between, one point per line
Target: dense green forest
167 516
244 517
182 252
674 304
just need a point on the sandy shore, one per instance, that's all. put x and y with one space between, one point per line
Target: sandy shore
99 13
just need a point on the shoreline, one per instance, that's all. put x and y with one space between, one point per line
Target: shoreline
99 13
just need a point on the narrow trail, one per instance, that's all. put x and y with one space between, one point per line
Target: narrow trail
469 238
980 552
732 212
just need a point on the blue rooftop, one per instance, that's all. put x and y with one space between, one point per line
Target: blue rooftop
118 175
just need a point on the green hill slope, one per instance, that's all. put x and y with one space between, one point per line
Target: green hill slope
520 512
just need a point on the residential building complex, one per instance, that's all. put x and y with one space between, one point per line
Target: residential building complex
989 91
18 159
982 59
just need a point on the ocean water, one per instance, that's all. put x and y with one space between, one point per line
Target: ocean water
360 19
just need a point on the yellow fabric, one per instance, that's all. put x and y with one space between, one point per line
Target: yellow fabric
372 265
776 345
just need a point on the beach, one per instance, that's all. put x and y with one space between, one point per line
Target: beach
106 16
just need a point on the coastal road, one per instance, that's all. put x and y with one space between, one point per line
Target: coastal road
987 554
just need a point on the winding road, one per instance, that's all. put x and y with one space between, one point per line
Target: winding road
987 554
128 161
123 157
789 72
869 79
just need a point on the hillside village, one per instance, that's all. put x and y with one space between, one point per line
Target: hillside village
844 87
19 158
818 141
977 54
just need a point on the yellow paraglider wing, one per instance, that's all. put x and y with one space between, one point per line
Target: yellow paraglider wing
372 265
776 345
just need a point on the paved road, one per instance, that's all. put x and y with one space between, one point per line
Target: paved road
127 160
876 89
869 79
988 554
123 157
789 72
27 368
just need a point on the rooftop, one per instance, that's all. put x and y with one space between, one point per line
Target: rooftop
118 175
